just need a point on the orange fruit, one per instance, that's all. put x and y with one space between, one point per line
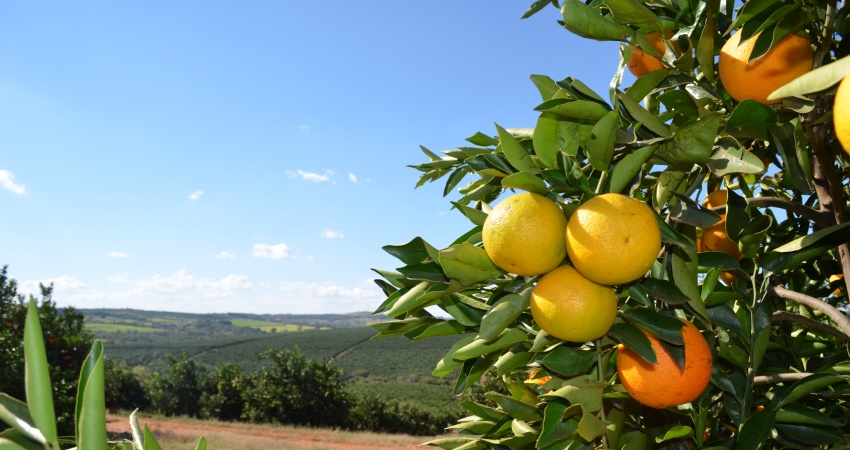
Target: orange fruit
728 278
539 380
613 239
524 234
715 199
787 60
715 239
841 113
664 384
640 63
568 306
839 276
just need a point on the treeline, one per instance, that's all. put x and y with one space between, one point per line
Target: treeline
288 389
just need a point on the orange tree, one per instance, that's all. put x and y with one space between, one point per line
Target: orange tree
738 340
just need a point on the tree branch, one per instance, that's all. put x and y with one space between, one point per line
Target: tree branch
780 377
810 323
803 299
820 218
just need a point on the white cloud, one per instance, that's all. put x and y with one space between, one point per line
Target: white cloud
268 251
117 278
116 255
352 177
195 196
331 234
62 285
181 281
224 255
331 296
310 176
7 181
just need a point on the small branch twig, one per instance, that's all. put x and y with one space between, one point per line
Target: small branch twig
780 377
803 299
810 323
820 218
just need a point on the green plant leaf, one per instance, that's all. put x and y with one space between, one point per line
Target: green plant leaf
573 109
634 339
37 377
680 102
751 119
511 360
805 415
665 291
670 236
640 114
591 426
467 264
553 428
705 47
17 415
413 252
13 439
448 364
783 137
632 12
646 84
91 403
692 143
720 260
526 182
516 154
600 146
552 136
627 168
730 157
820 79
420 296
753 234
675 432
480 347
150 440
202 444
514 408
798 250
809 436
811 384
568 361
587 22
503 313
666 328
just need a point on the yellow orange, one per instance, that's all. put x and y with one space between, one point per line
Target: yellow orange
613 239
524 234
787 60
664 384
716 198
841 113
568 306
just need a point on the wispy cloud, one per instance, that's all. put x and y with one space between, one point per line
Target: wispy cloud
310 176
62 283
7 181
224 255
331 234
268 251
116 255
195 196
352 178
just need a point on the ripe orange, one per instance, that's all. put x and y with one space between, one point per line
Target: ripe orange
841 113
568 306
715 239
716 198
640 63
539 380
524 234
663 385
613 239
787 60
728 278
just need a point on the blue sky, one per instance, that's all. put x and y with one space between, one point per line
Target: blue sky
249 156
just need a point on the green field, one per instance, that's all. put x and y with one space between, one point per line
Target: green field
99 328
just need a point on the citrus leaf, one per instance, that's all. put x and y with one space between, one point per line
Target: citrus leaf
569 362
448 364
553 428
16 414
718 259
705 46
665 328
516 154
753 234
573 109
514 408
676 432
628 167
552 136
91 418
640 114
749 10
536 7
811 384
590 427
476 216
751 119
783 137
832 236
467 264
730 157
480 347
512 360
670 236
817 80
679 102
483 140
545 85
665 291
503 313
795 413
526 182
413 252
430 271
634 339
442 328
587 22
810 436
692 143
600 146
631 12
646 84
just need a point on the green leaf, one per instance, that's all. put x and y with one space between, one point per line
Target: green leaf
724 316
17 415
670 236
720 260
421 296
628 167
679 102
552 136
13 439
150 440
817 80
585 390
640 114
666 328
526 182
798 250
632 12
503 313
811 437
730 157
91 403
665 291
811 384
676 432
634 339
568 361
545 85
483 140
573 109
692 143
600 146
476 216
511 360
705 47
454 179
687 212
536 7
37 376
685 268
202 444
751 119
553 428
753 234
516 154
480 347
448 364
646 84
514 408
775 33
468 264
591 426
430 271
801 414
413 252
783 138
750 10
587 22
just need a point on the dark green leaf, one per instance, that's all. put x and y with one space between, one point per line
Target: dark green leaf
676 432
551 136
569 362
646 84
680 102
536 7
514 408
801 414
666 328
600 146
753 234
670 236
811 384
628 167
16 414
751 119
638 293
808 435
736 215
750 10
686 211
516 154
724 316
413 252
798 250
665 291
455 178
430 271
587 22
553 428
783 138
705 46
720 260
640 114
692 143
573 109
631 336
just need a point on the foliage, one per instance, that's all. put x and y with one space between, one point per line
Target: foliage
222 398
176 391
33 425
777 330
124 388
66 346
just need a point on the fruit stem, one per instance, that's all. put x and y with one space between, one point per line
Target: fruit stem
603 178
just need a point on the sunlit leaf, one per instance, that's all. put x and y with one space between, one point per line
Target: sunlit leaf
468 264
820 79
587 22
37 376
600 146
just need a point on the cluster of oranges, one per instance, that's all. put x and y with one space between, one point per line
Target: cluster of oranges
611 240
